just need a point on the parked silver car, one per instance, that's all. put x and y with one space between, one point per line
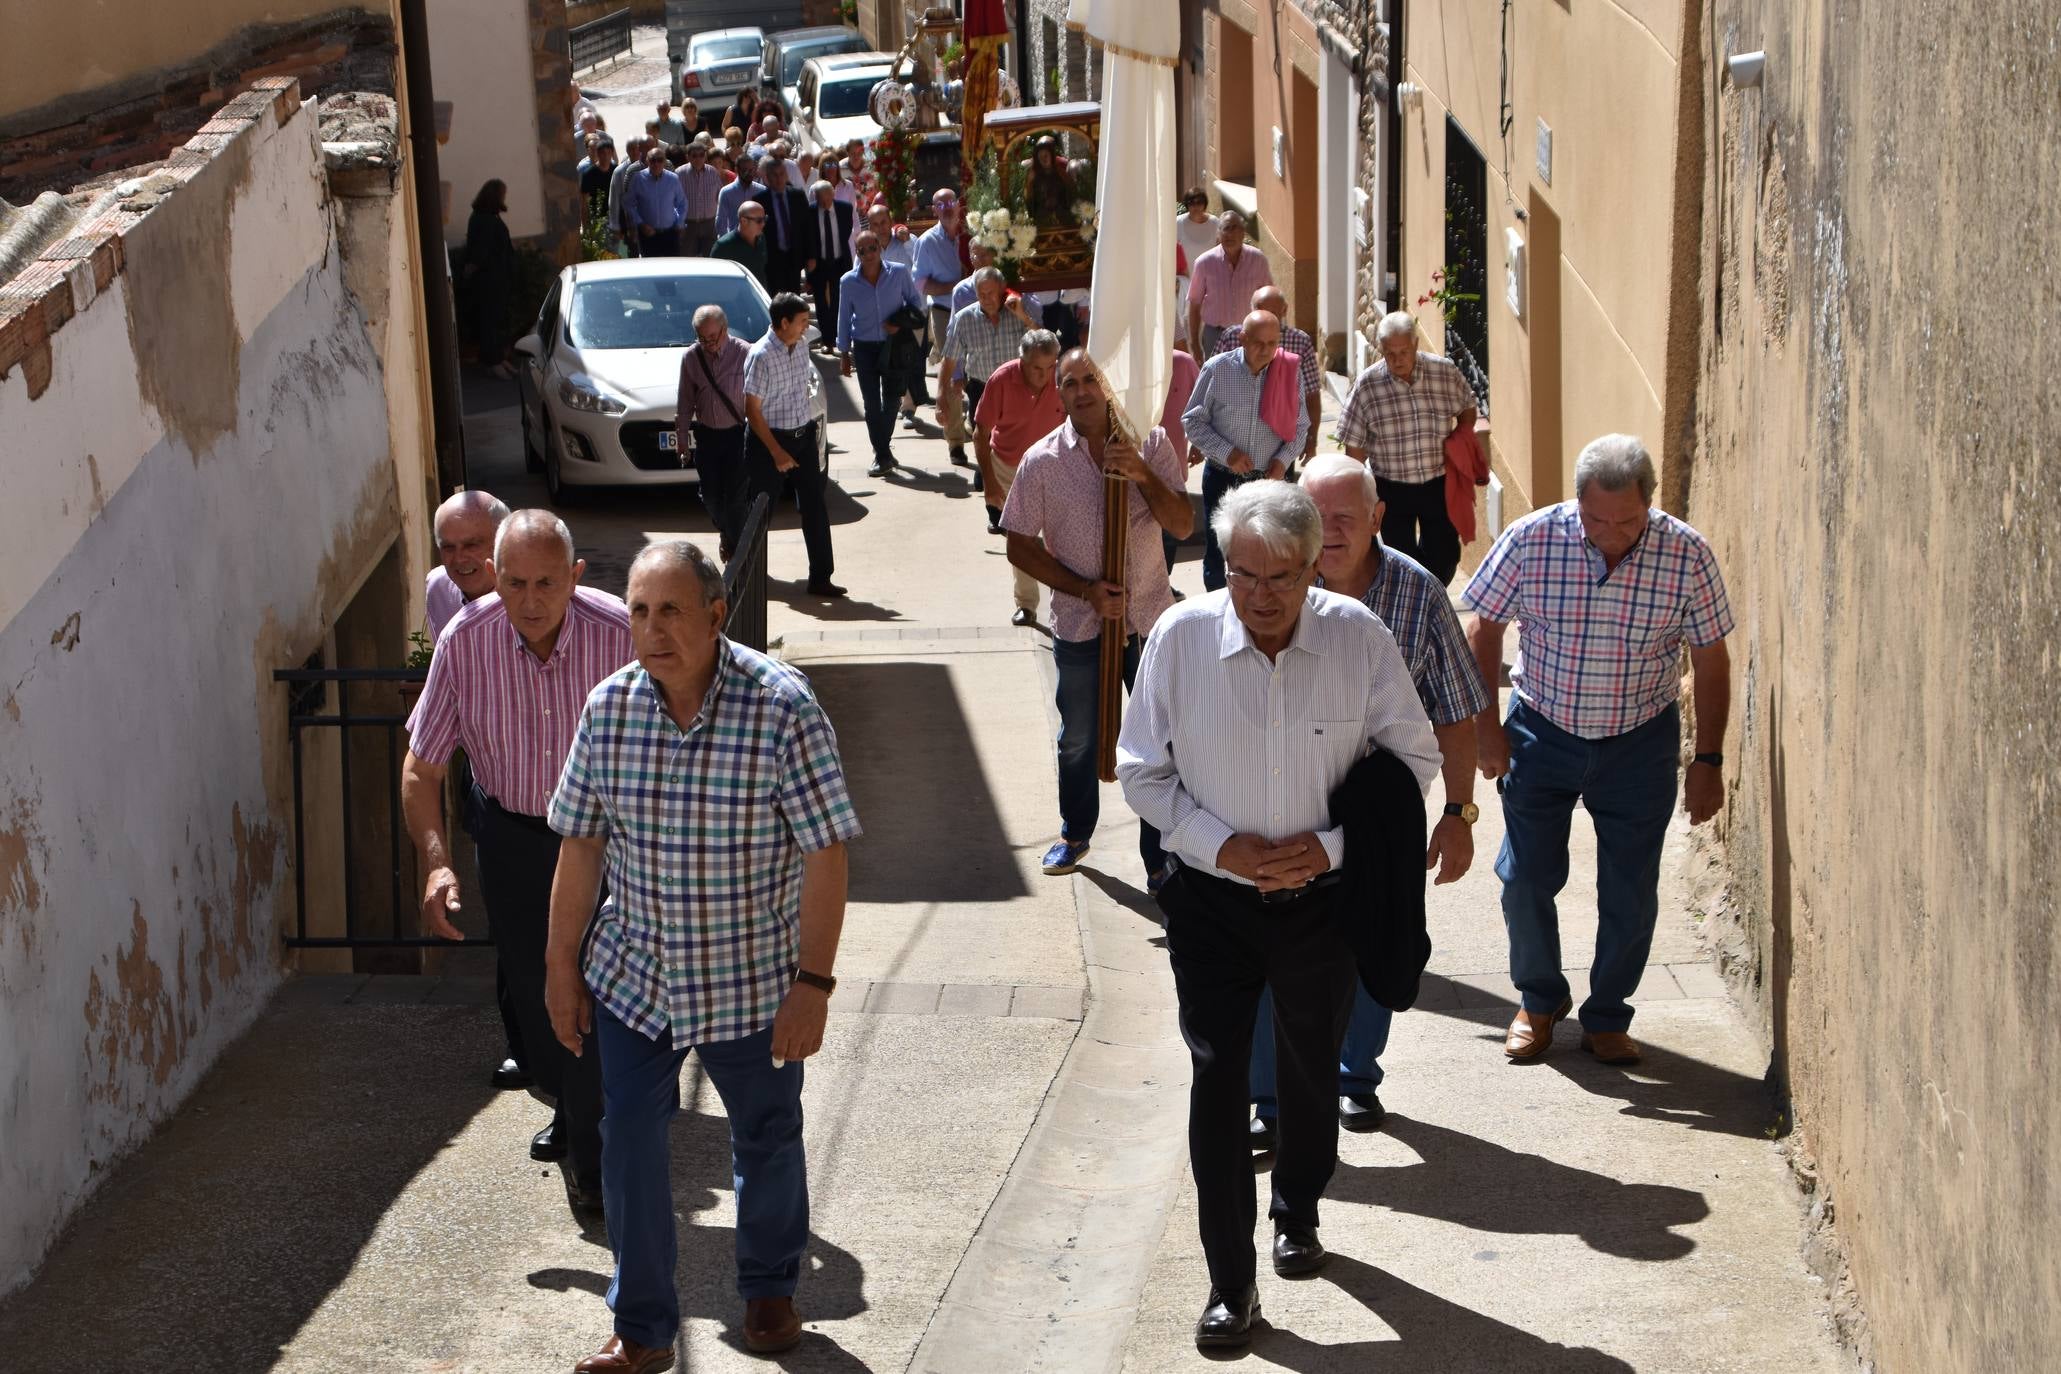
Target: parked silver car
716 66
788 49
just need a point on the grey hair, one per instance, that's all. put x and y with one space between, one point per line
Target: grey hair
1614 462
683 553
534 520
1280 515
1394 325
472 501
818 186
989 274
1230 217
710 312
1037 341
1328 465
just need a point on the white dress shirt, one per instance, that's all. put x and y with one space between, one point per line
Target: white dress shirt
1218 741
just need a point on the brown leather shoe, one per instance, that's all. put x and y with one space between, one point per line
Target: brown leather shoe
1531 1034
626 1357
1611 1047
771 1325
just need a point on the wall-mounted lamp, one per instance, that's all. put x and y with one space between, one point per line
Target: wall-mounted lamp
1746 68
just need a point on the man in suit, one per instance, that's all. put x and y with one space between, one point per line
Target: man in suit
790 230
832 222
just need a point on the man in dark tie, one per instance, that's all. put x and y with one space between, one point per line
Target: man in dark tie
790 230
832 221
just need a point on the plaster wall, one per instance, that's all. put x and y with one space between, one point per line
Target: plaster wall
1875 461
196 487
479 52
1604 77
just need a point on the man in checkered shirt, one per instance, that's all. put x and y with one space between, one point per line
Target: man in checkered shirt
1606 591
705 779
1397 418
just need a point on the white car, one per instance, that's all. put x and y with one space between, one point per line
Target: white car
833 99
599 379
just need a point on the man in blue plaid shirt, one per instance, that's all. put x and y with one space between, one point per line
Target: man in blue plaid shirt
1415 607
705 781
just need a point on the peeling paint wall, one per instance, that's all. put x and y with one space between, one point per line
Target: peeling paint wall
1876 460
195 490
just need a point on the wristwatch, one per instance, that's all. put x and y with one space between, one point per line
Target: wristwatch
1466 811
1714 759
821 981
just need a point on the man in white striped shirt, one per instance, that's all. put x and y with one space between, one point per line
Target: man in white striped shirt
1251 705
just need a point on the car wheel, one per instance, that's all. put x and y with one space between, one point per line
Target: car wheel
530 461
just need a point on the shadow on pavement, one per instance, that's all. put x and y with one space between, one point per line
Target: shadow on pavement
937 843
1662 1086
1130 898
218 1241
1431 1334
1483 1186
826 608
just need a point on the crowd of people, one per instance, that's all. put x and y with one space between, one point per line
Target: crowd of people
1283 730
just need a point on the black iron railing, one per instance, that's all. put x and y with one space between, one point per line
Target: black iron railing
1471 370
744 579
599 40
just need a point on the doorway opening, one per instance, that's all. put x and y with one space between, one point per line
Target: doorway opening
1466 264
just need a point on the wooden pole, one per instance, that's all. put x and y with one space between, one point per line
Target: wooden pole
1116 528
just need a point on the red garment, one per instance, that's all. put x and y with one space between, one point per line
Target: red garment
1466 469
1281 394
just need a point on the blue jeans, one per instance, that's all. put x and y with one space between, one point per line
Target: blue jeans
1359 1057
880 393
640 1085
1627 783
1218 482
1080 792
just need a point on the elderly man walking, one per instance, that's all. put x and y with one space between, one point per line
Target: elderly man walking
700 184
704 781
746 244
1418 613
656 206
1221 283
732 198
783 430
464 526
1252 705
1019 406
507 682
868 300
1297 341
1247 418
834 225
1053 516
790 229
1397 417
940 263
711 424
1605 591
980 338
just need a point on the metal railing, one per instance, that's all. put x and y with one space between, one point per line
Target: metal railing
344 720
599 40
744 579
1471 370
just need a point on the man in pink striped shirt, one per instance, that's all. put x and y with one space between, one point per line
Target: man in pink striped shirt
1221 283
464 527
509 679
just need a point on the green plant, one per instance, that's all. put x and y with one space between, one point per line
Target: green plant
596 243
1052 82
420 648
848 11
1449 299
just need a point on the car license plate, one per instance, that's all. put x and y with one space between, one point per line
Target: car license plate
668 441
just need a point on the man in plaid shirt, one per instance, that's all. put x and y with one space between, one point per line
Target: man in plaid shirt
705 780
1397 417
1606 591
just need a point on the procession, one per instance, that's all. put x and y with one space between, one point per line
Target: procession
977 687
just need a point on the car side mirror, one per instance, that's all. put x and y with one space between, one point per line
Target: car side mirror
529 345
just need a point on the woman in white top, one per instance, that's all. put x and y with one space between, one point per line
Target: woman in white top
1196 232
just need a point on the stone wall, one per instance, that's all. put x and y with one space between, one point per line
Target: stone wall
1878 471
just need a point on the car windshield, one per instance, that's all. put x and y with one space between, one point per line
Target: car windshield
725 49
658 312
791 60
843 99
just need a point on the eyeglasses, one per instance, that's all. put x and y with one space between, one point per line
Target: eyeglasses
1280 584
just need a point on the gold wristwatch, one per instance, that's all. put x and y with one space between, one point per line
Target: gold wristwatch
1466 811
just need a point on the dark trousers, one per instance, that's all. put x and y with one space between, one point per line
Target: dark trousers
1061 320
663 243
1218 482
1079 662
1359 1055
1416 524
697 236
823 287
1227 947
640 1077
880 393
973 395
504 1001
1627 785
809 490
518 855
783 271
914 382
725 483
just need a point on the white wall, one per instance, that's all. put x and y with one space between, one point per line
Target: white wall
480 62
158 559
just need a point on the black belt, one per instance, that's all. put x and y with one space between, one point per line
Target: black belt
523 818
785 433
1280 896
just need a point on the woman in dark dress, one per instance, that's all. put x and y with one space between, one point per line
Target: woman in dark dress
490 274
743 112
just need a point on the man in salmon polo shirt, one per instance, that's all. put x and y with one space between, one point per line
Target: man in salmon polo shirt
1019 406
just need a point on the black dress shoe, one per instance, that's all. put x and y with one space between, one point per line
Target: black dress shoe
1298 1251
1227 1321
510 1076
1022 618
1260 1134
584 1199
545 1144
959 457
1360 1112
880 469
825 588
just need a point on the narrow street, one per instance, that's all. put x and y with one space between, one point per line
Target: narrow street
996 1124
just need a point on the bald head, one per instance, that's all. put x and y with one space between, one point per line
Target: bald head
1270 299
1261 338
465 526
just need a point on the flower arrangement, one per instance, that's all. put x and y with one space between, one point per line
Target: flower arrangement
1088 218
998 218
894 168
